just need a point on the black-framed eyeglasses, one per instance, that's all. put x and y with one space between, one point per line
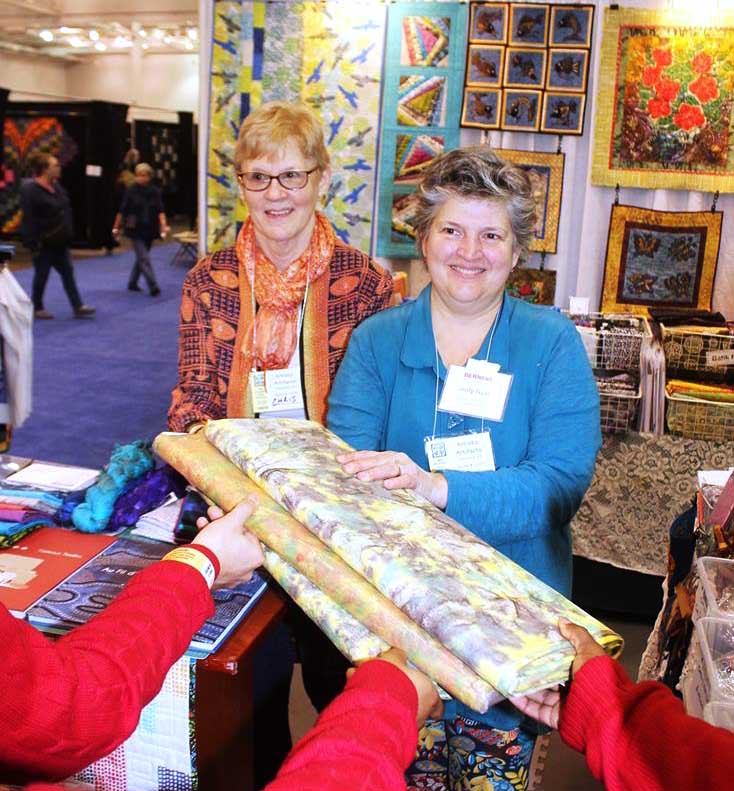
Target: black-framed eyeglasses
288 179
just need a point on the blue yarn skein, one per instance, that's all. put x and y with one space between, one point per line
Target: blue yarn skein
126 463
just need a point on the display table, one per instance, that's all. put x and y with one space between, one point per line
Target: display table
224 695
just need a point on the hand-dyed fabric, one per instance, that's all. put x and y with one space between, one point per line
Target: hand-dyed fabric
126 463
212 473
144 494
491 613
353 639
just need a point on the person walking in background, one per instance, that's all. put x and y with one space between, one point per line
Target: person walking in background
142 216
47 229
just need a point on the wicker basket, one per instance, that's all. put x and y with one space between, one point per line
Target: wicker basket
699 419
618 411
686 353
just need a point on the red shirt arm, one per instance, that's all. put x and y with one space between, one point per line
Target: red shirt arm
639 736
67 703
364 739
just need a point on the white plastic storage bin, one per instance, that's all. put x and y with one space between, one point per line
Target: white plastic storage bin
715 592
719 714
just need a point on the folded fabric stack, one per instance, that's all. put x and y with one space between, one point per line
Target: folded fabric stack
384 568
616 382
722 394
24 509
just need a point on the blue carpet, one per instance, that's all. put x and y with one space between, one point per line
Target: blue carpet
107 379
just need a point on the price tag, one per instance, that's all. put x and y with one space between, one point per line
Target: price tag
720 357
578 306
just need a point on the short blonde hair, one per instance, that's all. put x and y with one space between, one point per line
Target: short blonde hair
266 130
143 169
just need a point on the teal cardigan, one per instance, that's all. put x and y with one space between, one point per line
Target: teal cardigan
383 398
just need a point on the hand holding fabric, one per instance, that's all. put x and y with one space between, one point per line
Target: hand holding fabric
397 471
429 704
238 551
545 705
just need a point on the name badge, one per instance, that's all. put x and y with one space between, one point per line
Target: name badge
465 453
477 390
276 391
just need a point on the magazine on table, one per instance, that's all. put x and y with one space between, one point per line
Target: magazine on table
95 585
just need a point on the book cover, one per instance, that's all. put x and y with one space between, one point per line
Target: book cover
90 589
41 560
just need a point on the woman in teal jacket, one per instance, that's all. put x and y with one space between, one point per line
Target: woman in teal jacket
511 456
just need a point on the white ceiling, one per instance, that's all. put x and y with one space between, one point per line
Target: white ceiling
73 29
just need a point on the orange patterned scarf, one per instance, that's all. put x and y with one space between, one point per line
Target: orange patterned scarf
279 294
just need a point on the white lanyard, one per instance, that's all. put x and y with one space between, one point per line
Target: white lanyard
486 360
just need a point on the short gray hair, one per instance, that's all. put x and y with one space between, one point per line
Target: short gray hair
477 172
143 169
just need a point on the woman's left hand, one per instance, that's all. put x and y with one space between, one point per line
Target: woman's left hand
397 471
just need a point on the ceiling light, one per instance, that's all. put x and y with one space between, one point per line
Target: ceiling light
157 33
142 32
189 44
46 35
121 42
192 33
100 46
167 40
75 41
145 45
69 30
94 35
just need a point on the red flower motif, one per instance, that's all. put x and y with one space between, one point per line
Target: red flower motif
663 57
702 63
689 116
650 76
667 89
658 108
704 88
525 290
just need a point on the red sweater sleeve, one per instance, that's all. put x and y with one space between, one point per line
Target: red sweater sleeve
68 702
639 736
364 739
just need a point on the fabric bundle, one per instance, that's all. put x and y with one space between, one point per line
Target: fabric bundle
719 393
23 509
478 624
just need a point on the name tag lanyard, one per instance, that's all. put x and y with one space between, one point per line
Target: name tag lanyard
486 360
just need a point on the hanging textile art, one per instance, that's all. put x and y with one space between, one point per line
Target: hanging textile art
546 175
423 77
411 553
341 74
236 68
660 259
527 67
23 137
327 55
665 112
537 286
140 762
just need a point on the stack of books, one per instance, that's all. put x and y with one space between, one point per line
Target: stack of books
58 579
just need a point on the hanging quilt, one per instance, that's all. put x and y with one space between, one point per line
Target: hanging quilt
236 64
665 111
23 137
490 613
527 67
423 76
349 610
660 259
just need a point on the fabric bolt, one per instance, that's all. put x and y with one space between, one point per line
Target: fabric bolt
216 311
489 612
212 473
16 330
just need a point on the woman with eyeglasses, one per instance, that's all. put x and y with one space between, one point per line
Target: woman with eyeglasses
264 326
